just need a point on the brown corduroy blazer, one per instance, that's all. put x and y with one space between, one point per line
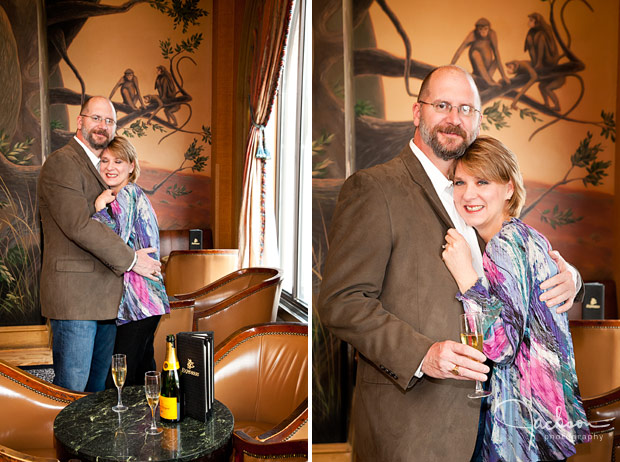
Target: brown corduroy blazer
83 260
387 292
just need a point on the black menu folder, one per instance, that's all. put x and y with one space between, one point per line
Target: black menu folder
195 352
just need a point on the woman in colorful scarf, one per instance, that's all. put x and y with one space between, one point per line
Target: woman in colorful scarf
535 412
126 209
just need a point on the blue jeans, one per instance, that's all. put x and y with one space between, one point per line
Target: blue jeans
82 352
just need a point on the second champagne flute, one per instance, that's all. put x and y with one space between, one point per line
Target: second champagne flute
152 388
472 335
119 372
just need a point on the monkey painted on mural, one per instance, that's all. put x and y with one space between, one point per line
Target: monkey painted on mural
130 89
166 93
521 66
543 50
483 52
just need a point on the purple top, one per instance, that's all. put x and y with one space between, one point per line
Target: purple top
134 220
535 411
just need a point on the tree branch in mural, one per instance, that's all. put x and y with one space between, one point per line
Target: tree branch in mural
586 156
197 161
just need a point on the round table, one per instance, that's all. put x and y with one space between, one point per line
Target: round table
90 430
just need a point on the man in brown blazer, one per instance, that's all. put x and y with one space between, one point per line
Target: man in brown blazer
387 292
83 260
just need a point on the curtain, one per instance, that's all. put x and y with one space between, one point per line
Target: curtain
257 230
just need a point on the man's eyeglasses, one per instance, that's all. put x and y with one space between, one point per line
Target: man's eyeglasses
444 107
98 119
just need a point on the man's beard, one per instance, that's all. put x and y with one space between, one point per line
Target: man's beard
89 136
431 138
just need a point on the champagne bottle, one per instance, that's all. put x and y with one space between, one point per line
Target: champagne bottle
170 400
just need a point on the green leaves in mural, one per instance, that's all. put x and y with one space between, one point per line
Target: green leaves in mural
585 153
495 117
19 153
206 134
193 154
15 269
56 125
364 108
166 48
319 166
188 45
139 128
184 12
609 125
526 113
556 217
177 191
586 157
596 172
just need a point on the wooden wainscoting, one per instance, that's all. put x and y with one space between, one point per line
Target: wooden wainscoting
332 452
26 345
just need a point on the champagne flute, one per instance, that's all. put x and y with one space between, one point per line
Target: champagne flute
119 372
472 335
152 388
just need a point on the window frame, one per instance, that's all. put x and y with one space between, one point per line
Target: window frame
291 302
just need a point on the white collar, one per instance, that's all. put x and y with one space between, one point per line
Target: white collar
439 181
91 155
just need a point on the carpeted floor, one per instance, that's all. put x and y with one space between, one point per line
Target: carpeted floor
43 372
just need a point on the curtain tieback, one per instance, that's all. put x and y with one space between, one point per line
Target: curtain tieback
261 152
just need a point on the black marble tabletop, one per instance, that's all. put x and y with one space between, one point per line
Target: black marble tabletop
88 429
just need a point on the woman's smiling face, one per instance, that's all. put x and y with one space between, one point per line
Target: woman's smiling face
482 203
114 171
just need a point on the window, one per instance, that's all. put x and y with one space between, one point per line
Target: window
293 175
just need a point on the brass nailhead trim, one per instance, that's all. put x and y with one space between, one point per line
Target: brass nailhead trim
258 335
38 392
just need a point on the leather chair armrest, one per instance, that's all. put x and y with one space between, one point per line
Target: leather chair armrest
8 454
286 429
39 385
247 448
605 406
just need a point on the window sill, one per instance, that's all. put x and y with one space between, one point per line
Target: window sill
291 309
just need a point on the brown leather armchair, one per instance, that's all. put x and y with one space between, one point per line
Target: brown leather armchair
189 270
261 374
597 346
247 449
180 319
600 448
242 298
29 406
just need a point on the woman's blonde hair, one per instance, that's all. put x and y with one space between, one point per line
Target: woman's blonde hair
490 159
122 148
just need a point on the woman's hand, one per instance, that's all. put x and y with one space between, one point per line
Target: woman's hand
457 257
104 199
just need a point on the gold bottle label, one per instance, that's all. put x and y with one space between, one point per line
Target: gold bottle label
168 408
170 365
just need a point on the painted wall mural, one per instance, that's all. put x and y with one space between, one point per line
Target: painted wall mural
22 147
153 58
546 71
